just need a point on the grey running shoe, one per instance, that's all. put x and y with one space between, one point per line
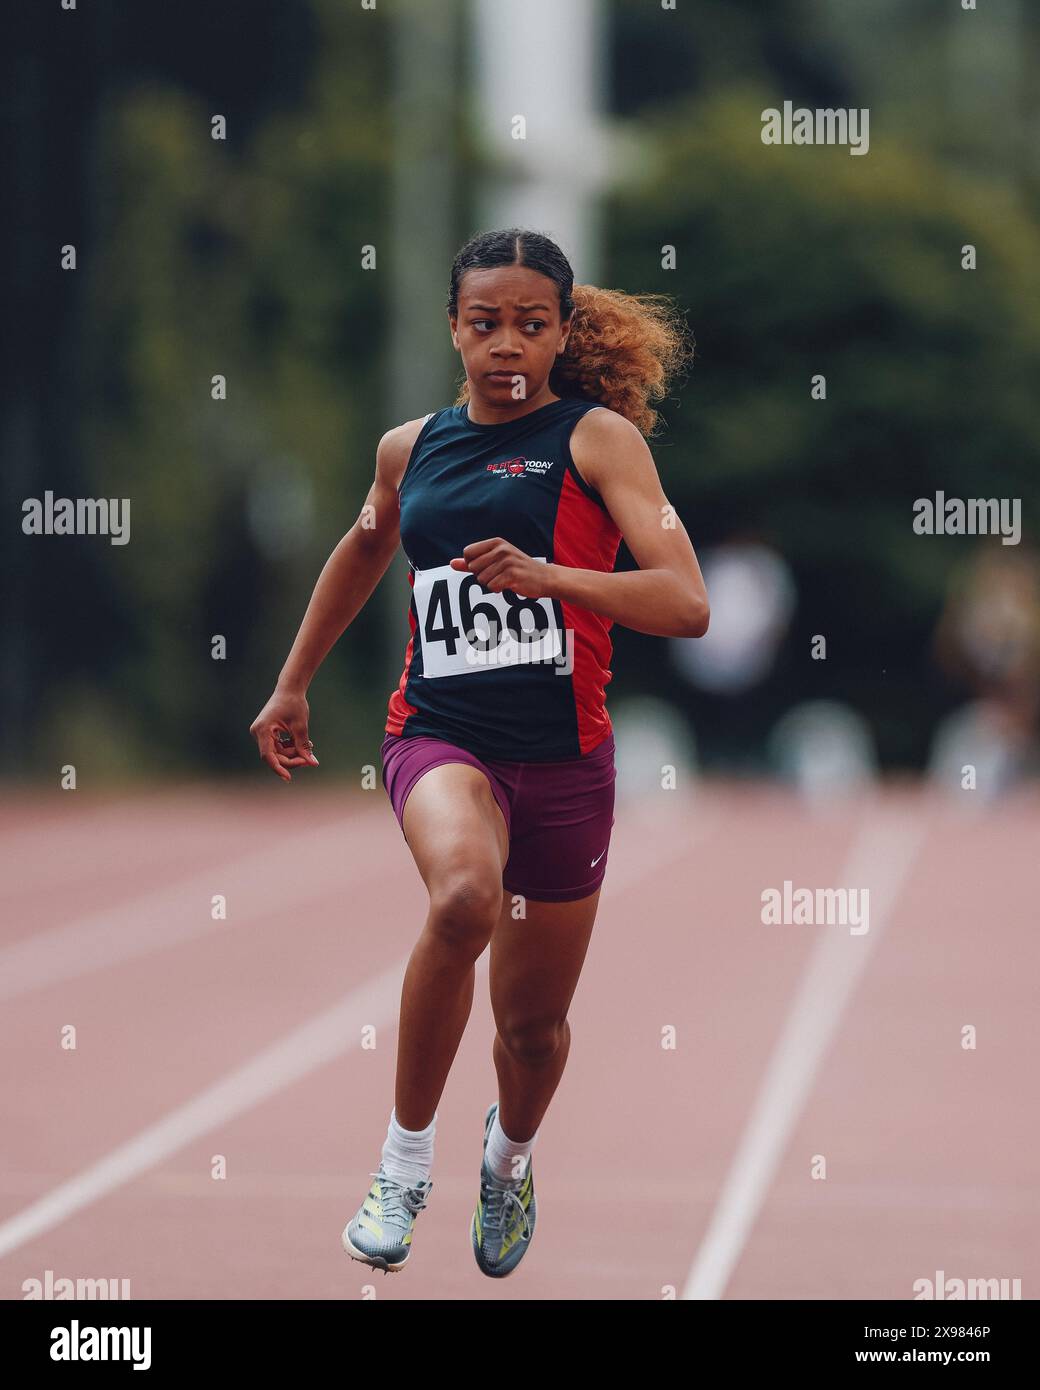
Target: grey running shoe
503 1223
381 1233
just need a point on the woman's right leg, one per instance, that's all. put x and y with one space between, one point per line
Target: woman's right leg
457 835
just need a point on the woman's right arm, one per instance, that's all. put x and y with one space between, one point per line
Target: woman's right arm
344 586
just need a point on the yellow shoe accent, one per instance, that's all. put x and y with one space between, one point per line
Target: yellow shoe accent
511 1239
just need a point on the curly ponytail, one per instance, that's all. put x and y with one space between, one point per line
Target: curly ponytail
623 350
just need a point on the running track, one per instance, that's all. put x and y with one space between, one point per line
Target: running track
660 1171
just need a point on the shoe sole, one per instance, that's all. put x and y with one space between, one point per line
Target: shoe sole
375 1261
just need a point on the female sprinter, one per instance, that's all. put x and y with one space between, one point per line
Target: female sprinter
499 753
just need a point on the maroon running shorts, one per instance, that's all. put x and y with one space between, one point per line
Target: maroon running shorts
558 815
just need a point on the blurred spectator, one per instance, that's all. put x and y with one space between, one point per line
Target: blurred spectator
825 749
752 598
988 639
655 752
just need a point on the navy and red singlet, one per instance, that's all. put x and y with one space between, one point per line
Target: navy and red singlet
504 676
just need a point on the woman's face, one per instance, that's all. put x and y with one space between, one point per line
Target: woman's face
508 331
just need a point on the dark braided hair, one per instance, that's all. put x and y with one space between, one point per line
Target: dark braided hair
514 247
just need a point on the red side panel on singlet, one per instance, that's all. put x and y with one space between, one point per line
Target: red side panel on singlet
399 709
584 539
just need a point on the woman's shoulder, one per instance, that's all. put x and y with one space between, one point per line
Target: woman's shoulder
403 436
603 422
395 448
598 431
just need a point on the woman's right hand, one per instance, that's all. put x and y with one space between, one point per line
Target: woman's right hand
286 712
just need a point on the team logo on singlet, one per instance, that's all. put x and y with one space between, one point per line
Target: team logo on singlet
518 467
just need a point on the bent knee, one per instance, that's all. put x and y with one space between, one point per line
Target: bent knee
464 909
534 1042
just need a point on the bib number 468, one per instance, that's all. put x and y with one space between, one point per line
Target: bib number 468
465 628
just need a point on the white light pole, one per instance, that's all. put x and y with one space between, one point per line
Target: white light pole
537 80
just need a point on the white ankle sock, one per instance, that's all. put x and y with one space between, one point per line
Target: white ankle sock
408 1153
506 1157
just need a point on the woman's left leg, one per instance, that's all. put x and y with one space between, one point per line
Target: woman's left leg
534 968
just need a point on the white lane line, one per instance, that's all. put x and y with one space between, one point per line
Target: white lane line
179 911
322 1039
880 859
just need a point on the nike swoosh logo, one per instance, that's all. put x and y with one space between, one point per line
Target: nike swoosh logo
596 860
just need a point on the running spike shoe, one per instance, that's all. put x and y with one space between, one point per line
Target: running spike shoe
381 1233
503 1223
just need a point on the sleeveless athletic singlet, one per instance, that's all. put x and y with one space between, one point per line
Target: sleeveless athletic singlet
504 676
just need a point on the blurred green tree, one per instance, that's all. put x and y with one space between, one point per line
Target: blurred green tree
239 259
798 261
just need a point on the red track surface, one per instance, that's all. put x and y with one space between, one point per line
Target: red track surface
931 1149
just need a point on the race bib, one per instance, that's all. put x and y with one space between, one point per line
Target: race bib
464 628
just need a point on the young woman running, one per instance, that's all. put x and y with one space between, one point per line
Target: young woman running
499 753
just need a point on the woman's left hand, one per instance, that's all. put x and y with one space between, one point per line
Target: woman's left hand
499 565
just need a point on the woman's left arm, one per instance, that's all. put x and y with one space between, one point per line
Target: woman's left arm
665 596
